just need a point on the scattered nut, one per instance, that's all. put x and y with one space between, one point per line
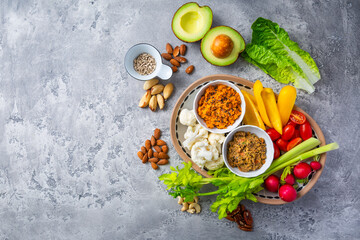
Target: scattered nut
156 154
157 132
183 49
147 144
154 166
149 83
161 101
176 51
185 206
169 48
144 101
157 89
153 103
150 153
163 155
164 148
190 69
140 155
181 200
174 69
163 162
154 160
181 59
174 62
143 150
196 207
145 158
166 56
153 141
168 89
191 210
196 199
157 149
160 142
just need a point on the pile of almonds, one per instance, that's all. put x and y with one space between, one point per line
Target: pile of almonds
173 55
155 151
242 217
191 207
153 97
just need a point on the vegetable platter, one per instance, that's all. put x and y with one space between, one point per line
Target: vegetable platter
177 131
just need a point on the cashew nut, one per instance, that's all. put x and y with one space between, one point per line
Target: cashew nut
196 199
191 210
196 207
185 207
181 200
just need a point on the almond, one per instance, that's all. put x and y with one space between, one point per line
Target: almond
150 83
156 154
157 149
163 162
157 133
150 153
190 69
183 49
174 69
153 141
166 56
181 59
163 155
145 100
140 155
143 150
169 48
168 89
174 62
161 101
160 142
155 160
176 51
145 158
147 144
154 166
165 149
153 103
157 89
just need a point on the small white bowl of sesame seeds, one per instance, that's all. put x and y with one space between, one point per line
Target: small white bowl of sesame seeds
143 62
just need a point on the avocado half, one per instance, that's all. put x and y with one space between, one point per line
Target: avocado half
191 22
222 45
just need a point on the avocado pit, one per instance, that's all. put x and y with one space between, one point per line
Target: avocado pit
222 46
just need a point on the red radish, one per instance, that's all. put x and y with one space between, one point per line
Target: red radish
290 179
302 170
287 193
276 151
315 165
272 183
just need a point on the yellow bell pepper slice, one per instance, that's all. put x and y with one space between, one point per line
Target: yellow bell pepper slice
286 102
258 87
272 111
252 116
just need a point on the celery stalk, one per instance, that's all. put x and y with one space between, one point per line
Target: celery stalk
306 155
296 151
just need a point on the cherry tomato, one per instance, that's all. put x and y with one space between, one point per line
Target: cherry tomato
276 151
293 143
296 134
282 144
297 117
305 131
288 132
273 134
291 123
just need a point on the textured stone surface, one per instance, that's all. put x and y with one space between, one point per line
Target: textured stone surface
70 126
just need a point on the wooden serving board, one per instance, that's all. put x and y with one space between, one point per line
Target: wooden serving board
177 131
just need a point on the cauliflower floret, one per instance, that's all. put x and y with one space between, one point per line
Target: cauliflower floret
203 152
216 139
216 164
187 117
193 135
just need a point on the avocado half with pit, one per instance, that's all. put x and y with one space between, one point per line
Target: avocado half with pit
191 22
221 46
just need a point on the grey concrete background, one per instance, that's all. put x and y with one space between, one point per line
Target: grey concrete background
70 126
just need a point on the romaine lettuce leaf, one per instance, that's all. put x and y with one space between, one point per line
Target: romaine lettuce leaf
273 52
